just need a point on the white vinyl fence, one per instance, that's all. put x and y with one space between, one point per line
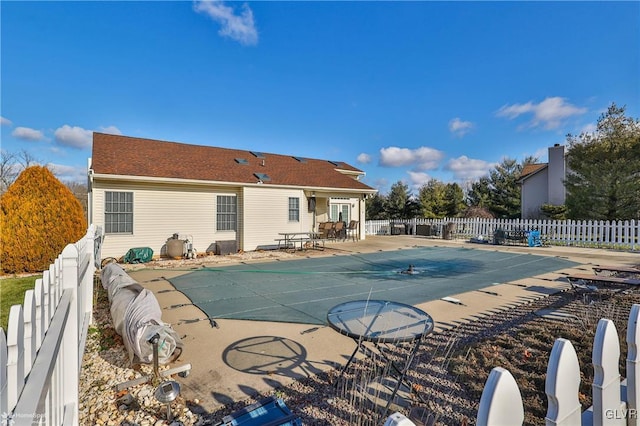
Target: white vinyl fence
615 401
41 353
586 233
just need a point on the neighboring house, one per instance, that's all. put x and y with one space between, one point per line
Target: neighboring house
142 191
543 184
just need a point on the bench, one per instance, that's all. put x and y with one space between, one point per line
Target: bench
582 281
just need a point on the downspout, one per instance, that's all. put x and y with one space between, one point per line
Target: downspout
89 193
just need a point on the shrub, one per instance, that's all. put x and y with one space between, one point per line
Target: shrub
554 212
39 216
476 211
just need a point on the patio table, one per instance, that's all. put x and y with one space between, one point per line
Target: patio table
291 239
381 321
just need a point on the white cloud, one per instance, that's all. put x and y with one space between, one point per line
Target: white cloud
420 159
465 168
112 130
240 27
549 113
5 121
27 134
68 173
75 136
459 127
364 158
418 179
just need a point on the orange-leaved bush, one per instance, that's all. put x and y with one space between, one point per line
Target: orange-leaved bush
39 216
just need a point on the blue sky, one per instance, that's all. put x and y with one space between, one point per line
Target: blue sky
402 90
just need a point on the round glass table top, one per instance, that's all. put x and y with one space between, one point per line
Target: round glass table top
380 321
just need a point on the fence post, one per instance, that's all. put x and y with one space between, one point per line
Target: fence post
562 385
608 408
501 402
71 356
87 279
633 372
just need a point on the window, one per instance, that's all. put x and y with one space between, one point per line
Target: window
227 213
118 212
339 212
294 209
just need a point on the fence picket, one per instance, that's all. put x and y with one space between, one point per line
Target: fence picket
46 298
633 372
562 385
15 355
39 297
29 312
606 376
501 402
621 234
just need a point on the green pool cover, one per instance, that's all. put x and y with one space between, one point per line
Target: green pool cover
302 291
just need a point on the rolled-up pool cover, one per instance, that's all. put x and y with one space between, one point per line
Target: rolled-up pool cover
136 316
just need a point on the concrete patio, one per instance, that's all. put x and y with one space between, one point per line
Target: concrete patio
240 358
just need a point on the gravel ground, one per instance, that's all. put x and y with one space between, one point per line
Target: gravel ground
447 375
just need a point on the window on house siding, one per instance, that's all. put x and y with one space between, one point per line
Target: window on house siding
118 212
294 209
227 213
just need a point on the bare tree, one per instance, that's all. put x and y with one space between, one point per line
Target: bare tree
9 170
79 190
26 159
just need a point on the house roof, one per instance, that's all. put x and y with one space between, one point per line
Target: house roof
531 169
129 156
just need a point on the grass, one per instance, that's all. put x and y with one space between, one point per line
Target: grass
12 293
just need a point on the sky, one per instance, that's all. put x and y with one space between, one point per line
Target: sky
404 91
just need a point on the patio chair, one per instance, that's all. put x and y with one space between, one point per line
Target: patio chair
339 231
326 230
352 230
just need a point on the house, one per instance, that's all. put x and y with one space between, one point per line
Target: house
543 184
143 191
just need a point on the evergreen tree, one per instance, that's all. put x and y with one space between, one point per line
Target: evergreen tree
397 200
479 193
39 216
504 191
375 208
603 169
432 199
412 208
454 199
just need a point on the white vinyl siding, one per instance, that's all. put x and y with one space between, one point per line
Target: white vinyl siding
161 211
266 214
